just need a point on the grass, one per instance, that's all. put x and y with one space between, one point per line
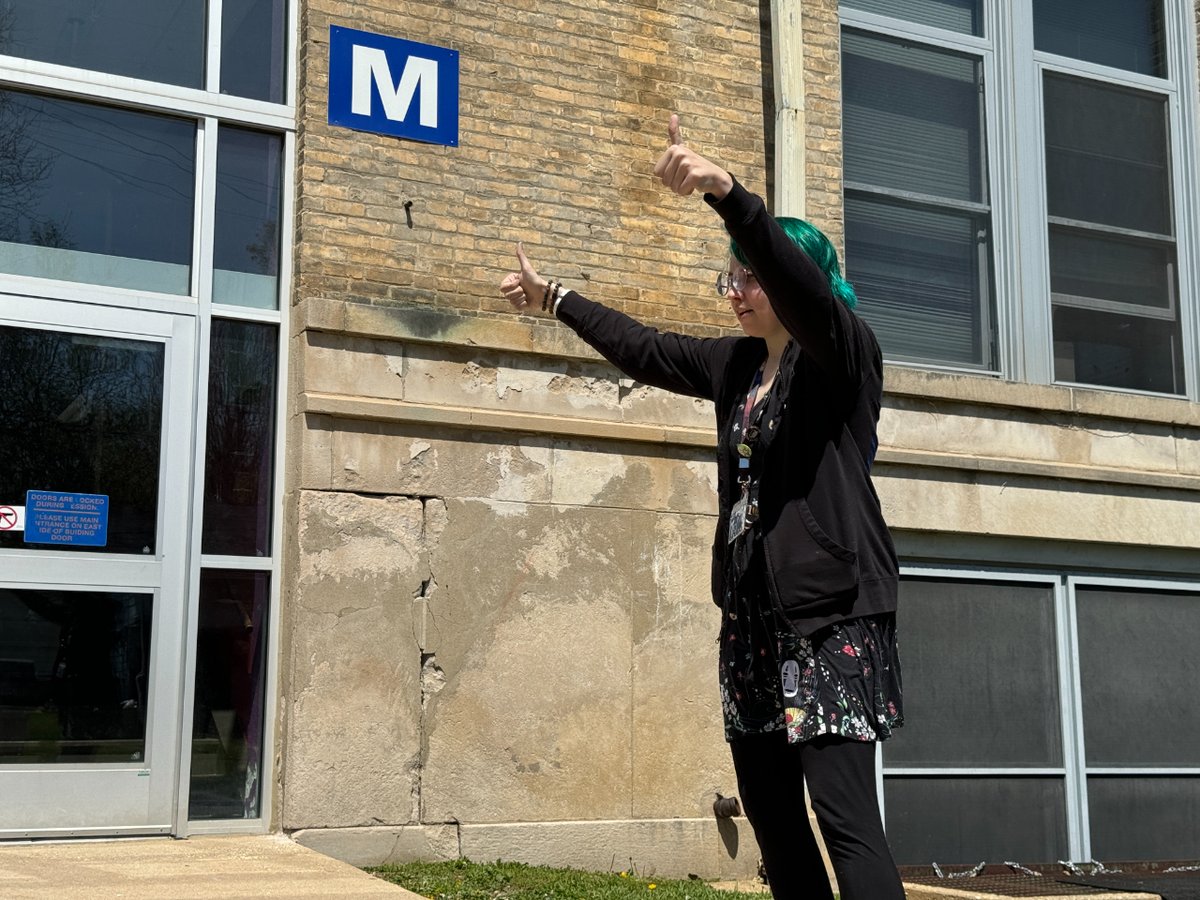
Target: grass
463 880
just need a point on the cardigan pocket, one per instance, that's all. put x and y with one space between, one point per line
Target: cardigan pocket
806 565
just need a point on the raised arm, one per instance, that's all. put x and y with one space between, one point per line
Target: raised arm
674 362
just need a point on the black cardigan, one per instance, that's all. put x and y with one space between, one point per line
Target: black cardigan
829 554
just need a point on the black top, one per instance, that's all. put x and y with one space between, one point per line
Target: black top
828 551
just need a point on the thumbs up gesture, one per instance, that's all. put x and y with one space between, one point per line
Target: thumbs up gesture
524 287
684 170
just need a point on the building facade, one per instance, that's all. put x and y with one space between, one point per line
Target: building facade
405 574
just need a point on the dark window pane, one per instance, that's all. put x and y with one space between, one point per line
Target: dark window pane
1117 350
238 470
74 676
913 118
1102 174
1147 817
964 820
252 49
158 40
246 242
1113 269
227 728
95 194
980 684
1140 703
83 414
1125 34
924 279
964 16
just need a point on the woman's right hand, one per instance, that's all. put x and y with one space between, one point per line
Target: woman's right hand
525 288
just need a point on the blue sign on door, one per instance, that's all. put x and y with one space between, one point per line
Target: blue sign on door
392 86
52 517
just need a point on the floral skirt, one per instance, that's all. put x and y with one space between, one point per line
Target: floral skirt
843 679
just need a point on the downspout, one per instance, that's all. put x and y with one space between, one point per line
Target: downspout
787 52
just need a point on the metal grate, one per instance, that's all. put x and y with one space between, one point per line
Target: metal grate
1010 885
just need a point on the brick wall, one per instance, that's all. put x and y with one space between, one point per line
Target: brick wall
563 113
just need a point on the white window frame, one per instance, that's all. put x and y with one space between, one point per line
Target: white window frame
1013 73
210 109
1074 770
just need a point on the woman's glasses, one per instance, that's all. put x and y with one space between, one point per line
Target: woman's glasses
733 281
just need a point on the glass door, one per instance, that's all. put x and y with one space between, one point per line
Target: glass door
96 431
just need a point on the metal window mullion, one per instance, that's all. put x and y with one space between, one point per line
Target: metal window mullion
975 771
206 201
1185 181
1073 724
79 84
1031 246
1079 68
1150 237
1147 771
1002 134
212 67
1070 719
917 199
907 29
271 675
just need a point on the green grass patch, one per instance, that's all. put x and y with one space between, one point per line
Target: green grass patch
463 880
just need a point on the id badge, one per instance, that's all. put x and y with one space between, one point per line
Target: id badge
737 518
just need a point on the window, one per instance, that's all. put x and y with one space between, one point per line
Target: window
1052 721
158 184
169 37
96 194
996 220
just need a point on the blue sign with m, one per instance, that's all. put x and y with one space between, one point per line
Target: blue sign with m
392 86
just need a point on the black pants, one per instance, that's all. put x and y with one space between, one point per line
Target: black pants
841 784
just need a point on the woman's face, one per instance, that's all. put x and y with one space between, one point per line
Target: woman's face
750 304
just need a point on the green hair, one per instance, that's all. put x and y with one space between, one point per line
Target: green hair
812 241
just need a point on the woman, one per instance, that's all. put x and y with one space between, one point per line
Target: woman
803 565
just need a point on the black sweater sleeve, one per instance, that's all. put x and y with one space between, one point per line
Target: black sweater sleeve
675 362
836 339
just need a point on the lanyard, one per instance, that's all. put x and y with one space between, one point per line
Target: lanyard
744 448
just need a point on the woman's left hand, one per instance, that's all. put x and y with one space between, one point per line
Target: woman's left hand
684 170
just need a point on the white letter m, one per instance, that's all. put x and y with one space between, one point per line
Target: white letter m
369 64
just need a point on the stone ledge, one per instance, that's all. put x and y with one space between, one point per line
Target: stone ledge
537 335
366 846
340 406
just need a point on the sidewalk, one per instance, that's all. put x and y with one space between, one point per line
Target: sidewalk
263 867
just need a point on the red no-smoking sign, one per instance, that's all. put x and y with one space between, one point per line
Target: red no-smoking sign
10 519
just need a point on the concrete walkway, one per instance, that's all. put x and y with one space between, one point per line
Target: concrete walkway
264 867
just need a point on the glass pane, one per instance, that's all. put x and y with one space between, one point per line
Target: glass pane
83 414
227 727
1117 350
924 279
1125 34
979 676
1140 703
246 240
913 118
964 16
95 194
960 821
74 676
252 48
1148 817
238 471
158 40
1101 174
1112 268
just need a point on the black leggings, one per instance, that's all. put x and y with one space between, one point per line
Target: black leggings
841 784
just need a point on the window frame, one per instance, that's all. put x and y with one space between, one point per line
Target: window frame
1075 771
1013 73
210 109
